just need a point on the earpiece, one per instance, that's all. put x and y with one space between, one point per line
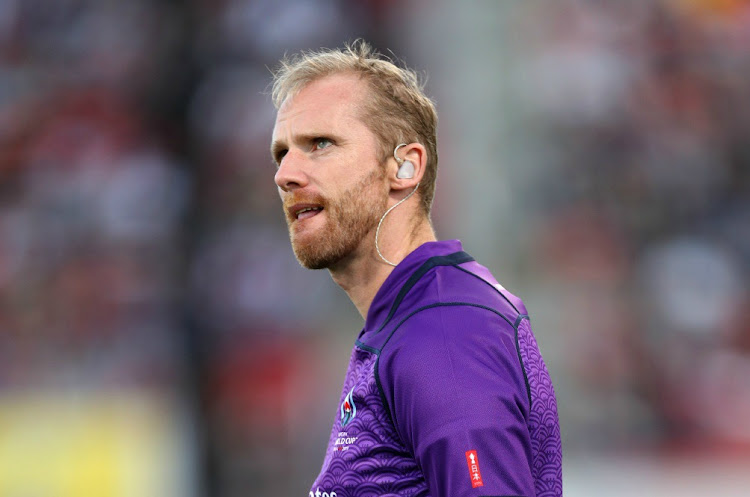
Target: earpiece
406 170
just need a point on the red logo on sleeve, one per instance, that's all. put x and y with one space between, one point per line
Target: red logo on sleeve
473 461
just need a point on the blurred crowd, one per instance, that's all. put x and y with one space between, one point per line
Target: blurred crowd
141 244
640 115
142 247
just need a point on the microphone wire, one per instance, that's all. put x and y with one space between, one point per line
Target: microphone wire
377 231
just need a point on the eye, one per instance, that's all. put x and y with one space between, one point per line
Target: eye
278 156
321 143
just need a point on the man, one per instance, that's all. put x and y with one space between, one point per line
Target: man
446 392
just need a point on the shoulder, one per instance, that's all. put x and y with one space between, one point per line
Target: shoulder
449 360
454 305
451 330
463 286
449 346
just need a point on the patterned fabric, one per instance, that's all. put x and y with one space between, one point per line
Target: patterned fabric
543 419
446 393
368 459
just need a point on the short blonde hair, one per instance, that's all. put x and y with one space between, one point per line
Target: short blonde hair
398 112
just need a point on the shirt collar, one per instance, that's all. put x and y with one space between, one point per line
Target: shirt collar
387 292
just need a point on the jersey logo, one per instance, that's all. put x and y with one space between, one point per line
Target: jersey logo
348 409
473 461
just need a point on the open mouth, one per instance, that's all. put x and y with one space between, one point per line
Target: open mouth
306 211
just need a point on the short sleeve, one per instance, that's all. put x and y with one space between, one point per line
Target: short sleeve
453 381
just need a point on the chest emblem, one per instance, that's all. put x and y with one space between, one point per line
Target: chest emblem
348 409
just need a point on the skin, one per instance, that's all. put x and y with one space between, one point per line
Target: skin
326 156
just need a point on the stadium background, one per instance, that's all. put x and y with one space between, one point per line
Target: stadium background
157 337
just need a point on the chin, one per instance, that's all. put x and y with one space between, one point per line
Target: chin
312 259
314 253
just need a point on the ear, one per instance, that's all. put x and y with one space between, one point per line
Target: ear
414 153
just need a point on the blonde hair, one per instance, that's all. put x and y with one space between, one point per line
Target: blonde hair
397 112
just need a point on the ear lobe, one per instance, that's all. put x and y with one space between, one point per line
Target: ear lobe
405 170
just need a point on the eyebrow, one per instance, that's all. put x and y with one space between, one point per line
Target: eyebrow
278 146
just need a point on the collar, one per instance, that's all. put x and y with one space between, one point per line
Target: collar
388 292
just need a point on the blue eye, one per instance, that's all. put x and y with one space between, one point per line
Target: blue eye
321 143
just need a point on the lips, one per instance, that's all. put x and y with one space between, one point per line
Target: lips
304 211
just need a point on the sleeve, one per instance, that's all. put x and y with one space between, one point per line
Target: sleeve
454 383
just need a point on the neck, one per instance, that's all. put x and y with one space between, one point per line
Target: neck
362 274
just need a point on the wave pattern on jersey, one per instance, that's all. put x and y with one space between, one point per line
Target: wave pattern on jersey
543 420
377 463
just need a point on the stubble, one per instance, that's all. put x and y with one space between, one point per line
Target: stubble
350 218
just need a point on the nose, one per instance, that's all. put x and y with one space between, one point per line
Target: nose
291 174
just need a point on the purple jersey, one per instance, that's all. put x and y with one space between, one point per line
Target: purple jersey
446 394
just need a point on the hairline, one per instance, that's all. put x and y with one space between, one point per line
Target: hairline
364 90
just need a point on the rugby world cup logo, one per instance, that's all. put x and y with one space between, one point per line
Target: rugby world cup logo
348 409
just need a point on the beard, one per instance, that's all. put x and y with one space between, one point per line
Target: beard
350 218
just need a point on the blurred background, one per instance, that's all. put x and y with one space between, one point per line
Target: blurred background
157 337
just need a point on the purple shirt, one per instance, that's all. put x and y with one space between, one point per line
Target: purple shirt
446 394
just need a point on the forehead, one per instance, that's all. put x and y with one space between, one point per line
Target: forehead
331 100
